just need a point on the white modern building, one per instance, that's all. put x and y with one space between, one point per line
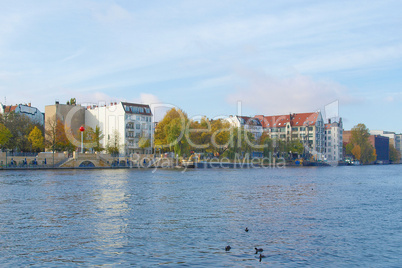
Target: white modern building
253 125
132 122
26 109
334 141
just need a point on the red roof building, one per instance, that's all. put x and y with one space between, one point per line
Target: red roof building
306 127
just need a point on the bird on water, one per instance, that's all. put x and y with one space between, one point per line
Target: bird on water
258 250
227 248
246 229
261 257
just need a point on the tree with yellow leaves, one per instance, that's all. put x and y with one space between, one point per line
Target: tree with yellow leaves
36 139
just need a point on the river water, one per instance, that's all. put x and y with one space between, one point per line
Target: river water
319 216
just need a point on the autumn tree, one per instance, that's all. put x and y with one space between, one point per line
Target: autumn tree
175 131
20 126
169 133
360 137
36 139
198 134
56 136
144 143
357 153
394 154
221 132
5 135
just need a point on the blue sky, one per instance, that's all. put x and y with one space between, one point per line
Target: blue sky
275 57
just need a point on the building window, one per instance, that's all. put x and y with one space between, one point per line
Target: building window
138 126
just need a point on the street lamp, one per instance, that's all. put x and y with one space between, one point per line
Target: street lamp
82 129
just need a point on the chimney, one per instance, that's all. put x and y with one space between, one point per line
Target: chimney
29 104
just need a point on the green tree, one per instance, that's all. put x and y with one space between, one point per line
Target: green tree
5 135
20 126
295 146
144 143
72 101
175 136
170 132
113 146
36 138
268 148
360 136
97 137
348 148
280 147
92 138
240 143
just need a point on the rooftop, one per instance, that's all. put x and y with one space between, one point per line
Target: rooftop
301 119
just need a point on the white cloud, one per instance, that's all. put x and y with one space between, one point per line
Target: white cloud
393 97
271 95
147 98
110 13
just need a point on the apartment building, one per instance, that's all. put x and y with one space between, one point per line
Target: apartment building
71 116
132 123
306 127
32 113
253 125
334 141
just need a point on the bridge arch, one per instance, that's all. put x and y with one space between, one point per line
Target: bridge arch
86 163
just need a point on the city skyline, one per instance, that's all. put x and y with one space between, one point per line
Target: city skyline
276 58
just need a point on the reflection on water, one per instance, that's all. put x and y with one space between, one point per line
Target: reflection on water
109 202
301 216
